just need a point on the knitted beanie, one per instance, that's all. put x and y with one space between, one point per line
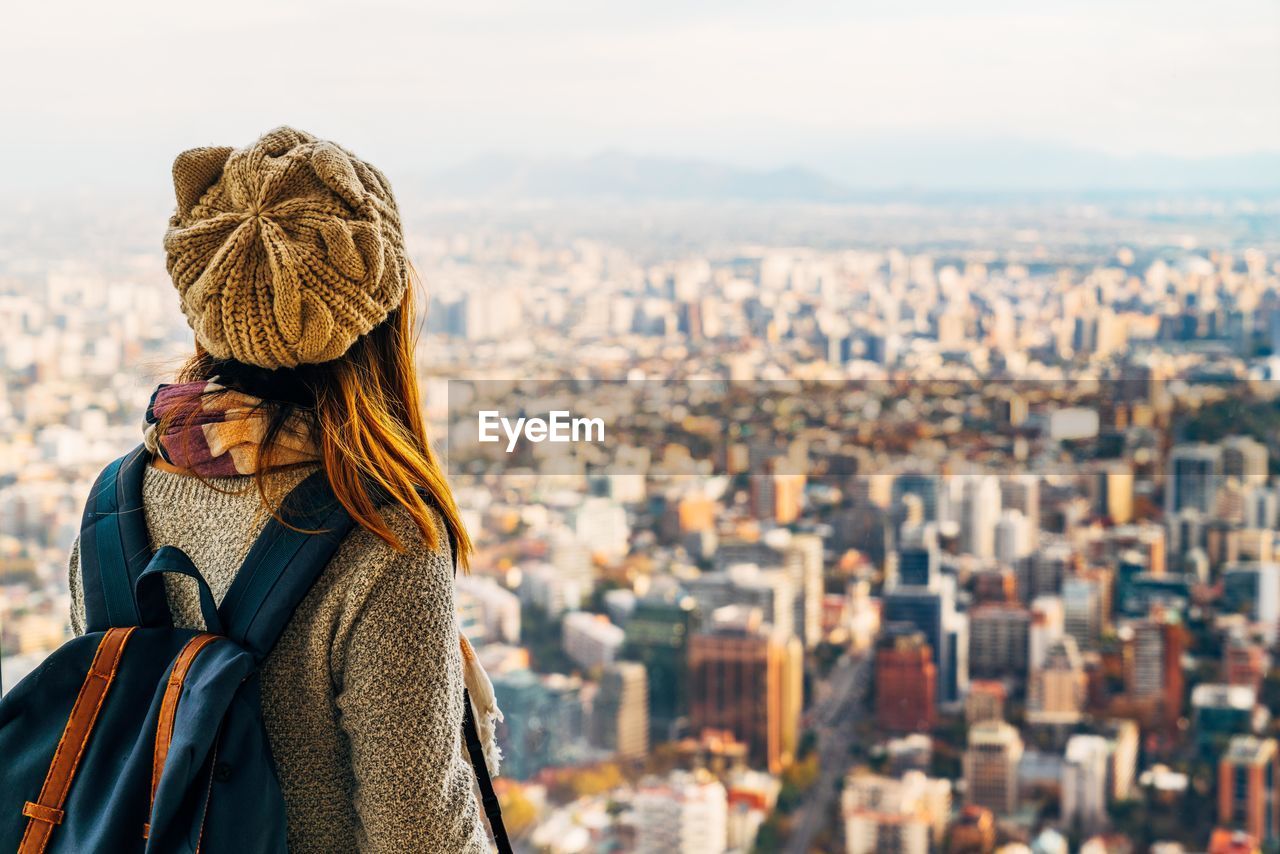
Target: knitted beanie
285 252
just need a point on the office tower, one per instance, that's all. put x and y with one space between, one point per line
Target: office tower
973 832
991 766
1247 788
981 512
904 815
620 718
994 586
934 613
1012 538
1253 589
1262 508
999 637
1084 784
1058 686
803 559
1048 623
1187 531
1221 711
1082 610
544 721
923 486
1153 664
657 636
739 674
1122 757
777 497
498 609
549 590
683 814
1194 473
1111 492
1245 459
985 701
918 560
747 584
912 752
590 640
1046 569
571 558
1021 492
600 524
906 681
1243 661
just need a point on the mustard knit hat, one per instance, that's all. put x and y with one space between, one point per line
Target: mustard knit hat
285 252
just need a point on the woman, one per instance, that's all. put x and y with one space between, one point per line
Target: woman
289 261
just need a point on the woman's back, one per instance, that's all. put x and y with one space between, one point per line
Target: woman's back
362 695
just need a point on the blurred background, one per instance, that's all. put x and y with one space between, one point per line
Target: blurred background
986 555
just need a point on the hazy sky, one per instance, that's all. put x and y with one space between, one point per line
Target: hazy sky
113 87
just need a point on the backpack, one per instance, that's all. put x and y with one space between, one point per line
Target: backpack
142 737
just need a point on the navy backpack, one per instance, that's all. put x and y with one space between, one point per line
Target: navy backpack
142 737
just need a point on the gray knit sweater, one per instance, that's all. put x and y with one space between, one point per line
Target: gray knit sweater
362 696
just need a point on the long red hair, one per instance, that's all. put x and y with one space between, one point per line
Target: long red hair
365 412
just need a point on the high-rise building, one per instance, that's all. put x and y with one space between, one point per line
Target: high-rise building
804 562
999 641
933 612
1244 459
991 766
1248 797
1194 474
906 681
685 813
972 832
748 584
1112 492
657 636
1243 662
1012 537
981 512
1083 610
1084 783
1058 687
985 701
904 815
1153 664
741 674
1122 757
1253 589
590 639
620 717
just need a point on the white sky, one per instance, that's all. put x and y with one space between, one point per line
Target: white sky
745 82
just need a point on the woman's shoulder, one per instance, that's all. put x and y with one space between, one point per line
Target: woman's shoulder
365 560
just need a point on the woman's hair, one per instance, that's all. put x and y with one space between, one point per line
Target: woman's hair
365 412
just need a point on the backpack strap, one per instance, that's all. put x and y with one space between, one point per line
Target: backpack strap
475 750
489 798
283 563
115 549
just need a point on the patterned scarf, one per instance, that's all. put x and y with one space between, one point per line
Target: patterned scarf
216 432
213 431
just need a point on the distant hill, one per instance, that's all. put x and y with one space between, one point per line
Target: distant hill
861 171
626 177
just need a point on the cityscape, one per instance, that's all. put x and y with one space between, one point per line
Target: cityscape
938 523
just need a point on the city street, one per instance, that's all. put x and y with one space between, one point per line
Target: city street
848 690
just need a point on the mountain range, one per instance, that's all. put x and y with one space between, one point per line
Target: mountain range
854 173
